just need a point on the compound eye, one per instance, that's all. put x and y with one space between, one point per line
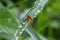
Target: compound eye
29 19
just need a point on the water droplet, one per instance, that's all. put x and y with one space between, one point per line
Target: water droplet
20 26
20 33
35 2
39 4
38 11
41 8
16 38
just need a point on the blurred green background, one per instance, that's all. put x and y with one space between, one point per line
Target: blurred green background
47 23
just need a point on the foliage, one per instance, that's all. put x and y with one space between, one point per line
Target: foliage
45 26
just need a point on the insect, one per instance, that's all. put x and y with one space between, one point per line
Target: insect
29 19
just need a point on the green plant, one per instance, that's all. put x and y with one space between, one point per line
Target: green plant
13 15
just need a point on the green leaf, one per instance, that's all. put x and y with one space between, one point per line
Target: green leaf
32 33
8 23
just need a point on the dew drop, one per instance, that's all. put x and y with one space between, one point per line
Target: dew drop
35 2
16 38
38 11
20 26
